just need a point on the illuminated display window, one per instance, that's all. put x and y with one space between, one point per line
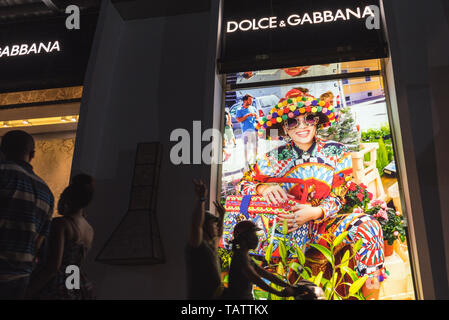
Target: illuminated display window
344 164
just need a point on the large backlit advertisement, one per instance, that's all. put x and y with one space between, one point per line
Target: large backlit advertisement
312 165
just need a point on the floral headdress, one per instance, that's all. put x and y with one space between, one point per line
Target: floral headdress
294 104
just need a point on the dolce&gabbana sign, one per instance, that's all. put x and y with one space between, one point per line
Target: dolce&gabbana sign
43 53
295 20
25 49
269 34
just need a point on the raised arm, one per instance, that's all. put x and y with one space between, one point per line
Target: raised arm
221 213
196 230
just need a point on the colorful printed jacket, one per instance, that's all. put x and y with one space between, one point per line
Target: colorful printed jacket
318 177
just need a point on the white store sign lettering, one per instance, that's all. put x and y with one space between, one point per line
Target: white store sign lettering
28 49
298 20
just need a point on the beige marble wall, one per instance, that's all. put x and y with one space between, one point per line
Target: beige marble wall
55 143
46 95
53 162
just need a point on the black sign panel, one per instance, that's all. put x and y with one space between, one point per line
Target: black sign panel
268 34
45 54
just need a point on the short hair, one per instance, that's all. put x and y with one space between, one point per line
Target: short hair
17 143
246 97
303 90
328 94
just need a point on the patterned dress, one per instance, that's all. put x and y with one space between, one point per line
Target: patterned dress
56 289
319 177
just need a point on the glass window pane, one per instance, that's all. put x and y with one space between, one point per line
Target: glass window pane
248 77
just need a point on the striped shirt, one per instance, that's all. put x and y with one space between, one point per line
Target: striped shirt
26 207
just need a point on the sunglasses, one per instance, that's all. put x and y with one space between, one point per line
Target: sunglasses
308 121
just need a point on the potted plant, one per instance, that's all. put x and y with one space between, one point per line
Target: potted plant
292 267
392 222
357 196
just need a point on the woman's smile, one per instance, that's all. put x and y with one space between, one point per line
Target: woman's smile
303 133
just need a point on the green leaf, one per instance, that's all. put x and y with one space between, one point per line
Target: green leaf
340 238
305 275
295 266
301 256
355 287
283 251
345 259
327 290
317 280
325 251
285 227
280 270
334 279
337 297
261 295
269 253
308 269
350 272
358 245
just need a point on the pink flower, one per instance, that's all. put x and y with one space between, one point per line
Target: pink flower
381 214
357 210
398 213
376 203
383 205
395 233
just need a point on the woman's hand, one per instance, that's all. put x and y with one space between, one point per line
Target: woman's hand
288 292
200 188
220 209
301 214
273 193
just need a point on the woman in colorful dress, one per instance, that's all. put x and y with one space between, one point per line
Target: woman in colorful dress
317 173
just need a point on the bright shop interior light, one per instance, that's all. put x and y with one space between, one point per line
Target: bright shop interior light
39 121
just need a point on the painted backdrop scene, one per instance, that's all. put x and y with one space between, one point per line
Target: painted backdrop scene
349 172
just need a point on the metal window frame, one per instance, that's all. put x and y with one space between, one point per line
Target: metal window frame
393 120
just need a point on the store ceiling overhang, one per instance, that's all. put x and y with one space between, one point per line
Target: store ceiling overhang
26 10
143 9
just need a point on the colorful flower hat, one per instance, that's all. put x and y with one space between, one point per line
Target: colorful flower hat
294 104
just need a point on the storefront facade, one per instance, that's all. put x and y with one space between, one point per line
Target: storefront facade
138 78
42 91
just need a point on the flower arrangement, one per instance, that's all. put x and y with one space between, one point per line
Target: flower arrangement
357 198
392 221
